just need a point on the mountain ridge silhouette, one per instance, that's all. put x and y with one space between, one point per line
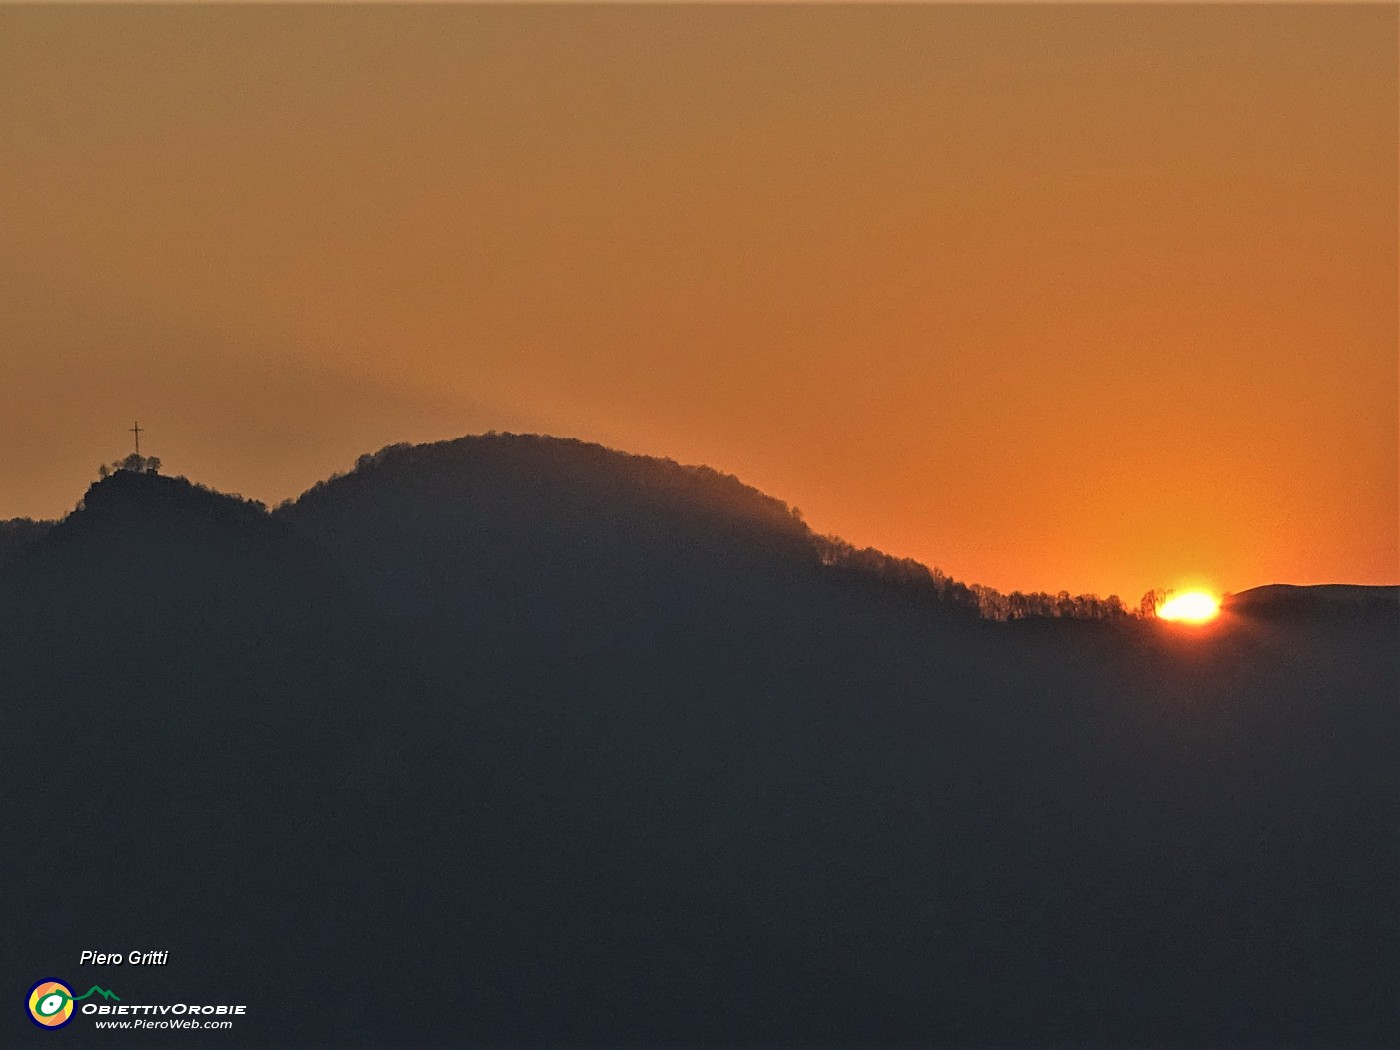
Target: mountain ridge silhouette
703 490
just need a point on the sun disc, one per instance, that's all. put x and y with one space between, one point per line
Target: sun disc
1190 607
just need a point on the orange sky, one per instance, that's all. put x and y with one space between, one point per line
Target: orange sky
1096 298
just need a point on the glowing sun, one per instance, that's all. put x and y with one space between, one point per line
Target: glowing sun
1190 607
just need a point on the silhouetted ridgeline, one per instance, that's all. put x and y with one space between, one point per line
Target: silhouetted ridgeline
518 741
1332 600
646 510
491 522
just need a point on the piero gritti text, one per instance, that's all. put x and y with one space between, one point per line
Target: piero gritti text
132 958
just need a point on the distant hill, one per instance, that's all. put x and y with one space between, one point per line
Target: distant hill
499 517
514 741
483 527
1324 599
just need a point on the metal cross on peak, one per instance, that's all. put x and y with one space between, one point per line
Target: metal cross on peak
136 429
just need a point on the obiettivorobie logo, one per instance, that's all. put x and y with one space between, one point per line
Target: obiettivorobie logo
52 1005
51 1002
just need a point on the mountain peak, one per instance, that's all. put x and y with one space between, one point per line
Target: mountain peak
534 465
127 490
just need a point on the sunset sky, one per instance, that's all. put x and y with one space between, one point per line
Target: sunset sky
1097 298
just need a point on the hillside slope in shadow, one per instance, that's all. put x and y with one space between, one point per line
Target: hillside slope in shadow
520 741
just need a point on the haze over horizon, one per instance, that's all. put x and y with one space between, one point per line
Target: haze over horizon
1051 298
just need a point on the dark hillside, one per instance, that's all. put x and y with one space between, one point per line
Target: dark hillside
191 706
487 524
18 533
582 749
493 522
